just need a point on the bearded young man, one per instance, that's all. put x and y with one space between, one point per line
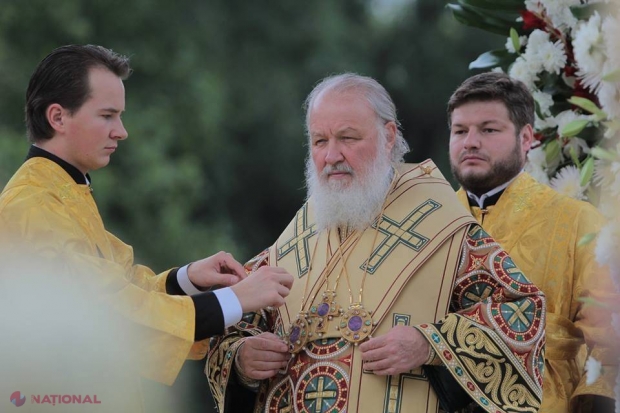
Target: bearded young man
491 118
393 275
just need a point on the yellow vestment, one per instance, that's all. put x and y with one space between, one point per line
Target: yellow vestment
424 257
46 214
540 229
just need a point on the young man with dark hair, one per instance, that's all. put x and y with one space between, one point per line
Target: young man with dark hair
491 118
73 113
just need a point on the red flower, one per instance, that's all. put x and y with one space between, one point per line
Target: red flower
532 21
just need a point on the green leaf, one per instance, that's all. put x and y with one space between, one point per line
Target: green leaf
585 11
495 5
552 151
573 128
613 76
493 58
573 156
485 21
538 111
587 169
589 106
514 37
600 153
586 239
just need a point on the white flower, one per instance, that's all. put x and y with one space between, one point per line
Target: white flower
609 97
579 145
589 50
605 173
521 70
534 6
567 182
537 173
553 56
511 47
544 100
611 33
560 14
608 204
497 69
606 250
536 157
593 370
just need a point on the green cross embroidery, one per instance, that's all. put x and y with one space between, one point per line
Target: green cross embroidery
400 233
299 241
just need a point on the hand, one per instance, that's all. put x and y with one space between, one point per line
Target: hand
268 286
402 349
260 357
219 269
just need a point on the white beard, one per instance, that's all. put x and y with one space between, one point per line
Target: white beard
356 205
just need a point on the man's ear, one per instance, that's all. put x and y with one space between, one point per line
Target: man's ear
527 138
390 135
56 116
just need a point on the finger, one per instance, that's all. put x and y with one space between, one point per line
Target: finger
377 365
282 290
374 354
225 280
267 356
232 266
373 343
274 344
286 280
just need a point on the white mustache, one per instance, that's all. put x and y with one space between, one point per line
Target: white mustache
339 167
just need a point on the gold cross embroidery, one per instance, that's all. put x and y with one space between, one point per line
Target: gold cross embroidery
319 394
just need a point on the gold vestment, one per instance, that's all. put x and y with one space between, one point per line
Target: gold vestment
423 255
540 229
47 215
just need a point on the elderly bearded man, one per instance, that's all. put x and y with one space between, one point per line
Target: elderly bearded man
394 274
491 118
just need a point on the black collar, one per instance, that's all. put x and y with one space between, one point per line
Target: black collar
490 201
78 177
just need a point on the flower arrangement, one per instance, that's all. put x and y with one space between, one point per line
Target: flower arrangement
567 52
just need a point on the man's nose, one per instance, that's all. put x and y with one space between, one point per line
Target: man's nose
334 154
472 140
119 132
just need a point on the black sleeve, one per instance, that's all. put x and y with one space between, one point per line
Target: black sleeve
209 316
238 397
451 395
172 284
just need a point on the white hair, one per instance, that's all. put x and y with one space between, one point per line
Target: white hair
378 98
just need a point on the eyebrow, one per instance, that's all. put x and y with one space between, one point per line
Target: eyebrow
112 110
485 123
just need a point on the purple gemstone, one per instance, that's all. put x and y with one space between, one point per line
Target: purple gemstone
294 334
323 309
355 323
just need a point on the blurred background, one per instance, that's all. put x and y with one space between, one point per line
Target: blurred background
214 159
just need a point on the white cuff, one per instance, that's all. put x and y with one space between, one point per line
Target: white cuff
231 307
184 282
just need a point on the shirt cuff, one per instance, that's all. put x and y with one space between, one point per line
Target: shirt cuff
184 282
231 307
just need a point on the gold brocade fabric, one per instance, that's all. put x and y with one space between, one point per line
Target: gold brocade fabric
428 256
47 216
540 230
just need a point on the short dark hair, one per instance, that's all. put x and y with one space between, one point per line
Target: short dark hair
62 77
492 86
